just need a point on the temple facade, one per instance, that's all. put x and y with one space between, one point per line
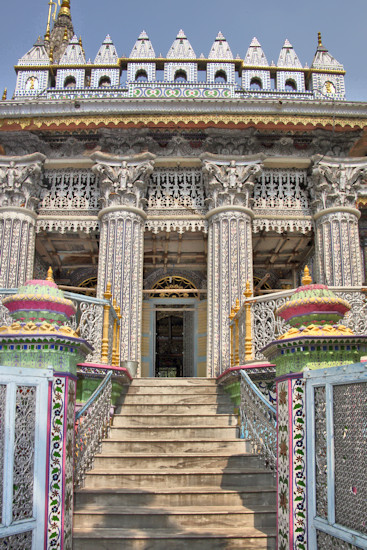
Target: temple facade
177 180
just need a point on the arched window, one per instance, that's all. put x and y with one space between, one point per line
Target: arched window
141 76
290 86
220 77
180 76
70 82
256 84
104 82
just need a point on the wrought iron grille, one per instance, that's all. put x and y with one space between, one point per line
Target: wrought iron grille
176 188
321 452
20 541
258 421
70 191
92 425
350 444
326 542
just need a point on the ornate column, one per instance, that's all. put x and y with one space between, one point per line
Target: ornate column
229 184
20 187
123 183
335 183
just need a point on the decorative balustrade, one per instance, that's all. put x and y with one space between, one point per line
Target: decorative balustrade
258 420
92 424
255 324
70 191
96 321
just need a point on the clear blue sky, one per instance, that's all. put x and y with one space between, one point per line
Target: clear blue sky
342 23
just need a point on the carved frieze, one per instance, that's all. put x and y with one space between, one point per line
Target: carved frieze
230 182
123 180
20 181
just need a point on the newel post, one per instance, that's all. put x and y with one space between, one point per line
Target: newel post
39 338
314 341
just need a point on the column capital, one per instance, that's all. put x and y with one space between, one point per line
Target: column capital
123 180
335 182
20 181
229 181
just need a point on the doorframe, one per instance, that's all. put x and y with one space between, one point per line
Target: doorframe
156 302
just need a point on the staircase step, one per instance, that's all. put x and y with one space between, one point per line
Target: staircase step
176 398
214 477
131 420
152 409
174 539
152 446
184 496
167 432
178 461
208 389
181 518
156 382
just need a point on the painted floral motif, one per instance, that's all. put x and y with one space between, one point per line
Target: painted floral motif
283 467
55 478
299 465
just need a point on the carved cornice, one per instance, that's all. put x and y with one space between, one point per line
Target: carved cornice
229 181
335 182
123 180
283 122
20 181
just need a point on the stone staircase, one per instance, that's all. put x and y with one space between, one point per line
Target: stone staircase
174 476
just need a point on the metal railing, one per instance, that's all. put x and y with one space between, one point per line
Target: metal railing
255 324
92 424
258 421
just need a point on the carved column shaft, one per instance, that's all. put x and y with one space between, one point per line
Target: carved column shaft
338 254
229 267
335 184
17 246
123 182
121 263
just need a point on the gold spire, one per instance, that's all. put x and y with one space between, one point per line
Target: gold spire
51 55
65 8
5 94
50 275
48 28
319 39
81 44
306 279
66 38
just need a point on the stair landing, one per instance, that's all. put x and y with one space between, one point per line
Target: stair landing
173 475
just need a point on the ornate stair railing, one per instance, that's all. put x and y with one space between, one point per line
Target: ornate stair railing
92 424
266 326
258 421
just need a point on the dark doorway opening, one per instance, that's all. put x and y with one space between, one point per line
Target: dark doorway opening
169 345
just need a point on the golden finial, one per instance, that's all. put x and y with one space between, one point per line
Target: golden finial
306 279
50 275
51 55
108 294
248 291
232 315
5 94
81 44
319 39
66 38
65 8
47 35
237 306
